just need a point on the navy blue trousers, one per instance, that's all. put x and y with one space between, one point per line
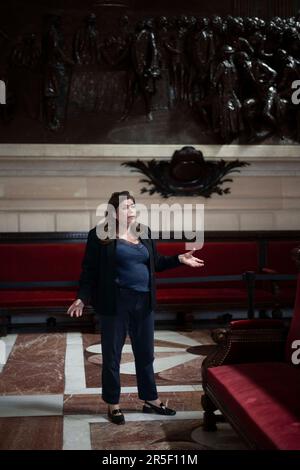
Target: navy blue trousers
133 315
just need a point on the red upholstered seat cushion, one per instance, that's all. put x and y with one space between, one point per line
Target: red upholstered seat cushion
255 324
221 259
40 261
34 297
52 296
264 399
173 293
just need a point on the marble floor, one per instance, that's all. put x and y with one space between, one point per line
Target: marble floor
50 386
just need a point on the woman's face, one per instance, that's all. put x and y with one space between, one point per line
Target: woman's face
127 211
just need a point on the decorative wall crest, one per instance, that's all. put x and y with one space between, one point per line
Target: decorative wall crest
187 174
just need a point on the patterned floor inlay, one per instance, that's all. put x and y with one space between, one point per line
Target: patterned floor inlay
50 395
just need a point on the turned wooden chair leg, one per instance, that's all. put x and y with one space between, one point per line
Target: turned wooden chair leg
209 417
277 312
185 320
262 313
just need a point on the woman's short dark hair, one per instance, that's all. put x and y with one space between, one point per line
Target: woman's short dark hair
114 201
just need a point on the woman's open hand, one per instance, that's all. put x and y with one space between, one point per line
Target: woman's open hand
76 308
190 260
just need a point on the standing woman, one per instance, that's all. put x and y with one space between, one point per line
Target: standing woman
118 280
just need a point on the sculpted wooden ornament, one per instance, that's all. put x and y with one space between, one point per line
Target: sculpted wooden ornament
187 174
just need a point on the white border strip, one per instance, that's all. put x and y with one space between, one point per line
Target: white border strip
106 152
31 405
74 363
9 341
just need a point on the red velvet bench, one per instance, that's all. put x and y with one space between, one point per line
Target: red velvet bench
226 280
38 275
42 271
252 379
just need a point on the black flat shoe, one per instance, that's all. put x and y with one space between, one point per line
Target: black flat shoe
116 416
160 410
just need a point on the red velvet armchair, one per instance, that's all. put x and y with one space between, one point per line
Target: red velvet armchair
252 377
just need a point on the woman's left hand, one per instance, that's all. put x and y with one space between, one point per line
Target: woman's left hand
190 260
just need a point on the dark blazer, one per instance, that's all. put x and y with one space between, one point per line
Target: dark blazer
96 283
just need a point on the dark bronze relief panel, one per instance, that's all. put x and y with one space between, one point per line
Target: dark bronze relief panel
136 72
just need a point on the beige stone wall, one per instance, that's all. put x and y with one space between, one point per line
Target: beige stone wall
58 187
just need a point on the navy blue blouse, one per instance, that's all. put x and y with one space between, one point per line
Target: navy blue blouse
132 265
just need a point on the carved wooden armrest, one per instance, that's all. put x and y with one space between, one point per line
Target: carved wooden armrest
248 341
